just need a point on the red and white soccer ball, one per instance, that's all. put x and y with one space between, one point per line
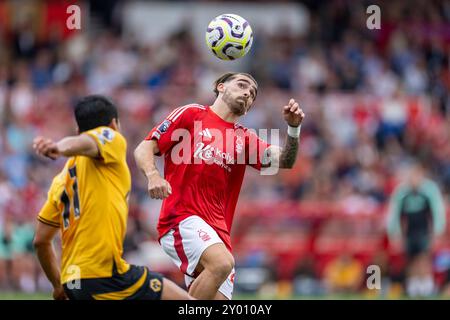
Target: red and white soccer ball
229 36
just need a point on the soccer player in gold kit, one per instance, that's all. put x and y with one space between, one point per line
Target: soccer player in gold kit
88 203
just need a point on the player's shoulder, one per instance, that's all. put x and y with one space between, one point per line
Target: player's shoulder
430 187
188 110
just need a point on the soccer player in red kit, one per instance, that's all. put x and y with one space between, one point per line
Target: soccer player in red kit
206 153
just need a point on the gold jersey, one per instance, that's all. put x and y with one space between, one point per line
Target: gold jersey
88 201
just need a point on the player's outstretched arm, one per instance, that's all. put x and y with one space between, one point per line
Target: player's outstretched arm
81 145
286 156
173 292
144 155
47 258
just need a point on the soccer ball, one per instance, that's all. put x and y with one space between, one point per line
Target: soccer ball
229 36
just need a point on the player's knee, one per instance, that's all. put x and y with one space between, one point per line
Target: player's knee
218 261
223 267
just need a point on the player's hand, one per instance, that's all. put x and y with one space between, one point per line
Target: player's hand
59 293
158 187
46 147
293 114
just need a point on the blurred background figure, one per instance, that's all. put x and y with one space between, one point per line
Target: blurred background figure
417 213
344 275
307 282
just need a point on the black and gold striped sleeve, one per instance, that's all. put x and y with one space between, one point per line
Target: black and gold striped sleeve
48 222
50 214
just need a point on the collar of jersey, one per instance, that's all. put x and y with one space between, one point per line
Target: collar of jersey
215 115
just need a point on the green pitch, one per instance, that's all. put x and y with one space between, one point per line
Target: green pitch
24 296
47 296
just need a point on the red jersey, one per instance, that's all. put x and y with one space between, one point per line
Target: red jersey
205 158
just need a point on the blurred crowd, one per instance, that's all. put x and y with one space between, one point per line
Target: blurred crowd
374 100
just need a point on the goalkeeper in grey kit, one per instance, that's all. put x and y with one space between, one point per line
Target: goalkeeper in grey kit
417 212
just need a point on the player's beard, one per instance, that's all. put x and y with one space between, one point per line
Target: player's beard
237 107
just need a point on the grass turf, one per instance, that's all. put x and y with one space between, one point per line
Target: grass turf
48 296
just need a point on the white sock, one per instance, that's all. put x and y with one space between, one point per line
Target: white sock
412 287
426 286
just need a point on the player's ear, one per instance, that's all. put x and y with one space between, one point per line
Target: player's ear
115 124
221 87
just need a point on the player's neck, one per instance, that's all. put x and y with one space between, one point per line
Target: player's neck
222 110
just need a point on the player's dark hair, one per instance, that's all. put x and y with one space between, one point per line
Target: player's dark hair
230 76
94 111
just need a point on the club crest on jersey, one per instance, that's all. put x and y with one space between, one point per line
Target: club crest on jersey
239 144
164 126
155 284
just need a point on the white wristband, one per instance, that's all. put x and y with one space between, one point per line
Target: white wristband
294 132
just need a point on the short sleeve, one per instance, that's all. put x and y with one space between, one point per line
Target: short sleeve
111 144
163 133
50 213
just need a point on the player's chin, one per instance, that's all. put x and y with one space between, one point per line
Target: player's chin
238 108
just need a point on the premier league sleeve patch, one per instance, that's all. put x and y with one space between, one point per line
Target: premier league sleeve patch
163 127
108 134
